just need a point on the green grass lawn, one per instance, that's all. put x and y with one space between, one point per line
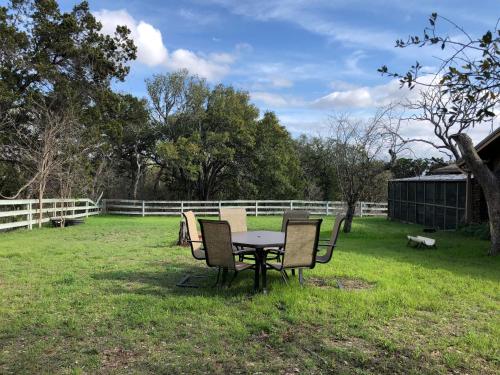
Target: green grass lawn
101 298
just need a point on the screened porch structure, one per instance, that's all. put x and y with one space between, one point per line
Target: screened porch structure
435 201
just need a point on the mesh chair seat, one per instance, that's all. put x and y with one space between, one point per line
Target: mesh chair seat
240 266
199 254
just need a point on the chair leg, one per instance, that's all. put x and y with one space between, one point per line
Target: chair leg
224 276
301 277
218 276
232 278
293 271
284 276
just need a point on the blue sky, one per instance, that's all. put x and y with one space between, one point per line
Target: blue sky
303 59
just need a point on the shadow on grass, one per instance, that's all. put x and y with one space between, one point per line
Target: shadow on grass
162 283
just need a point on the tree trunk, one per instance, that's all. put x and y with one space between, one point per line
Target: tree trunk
157 182
137 177
40 204
183 236
351 208
489 183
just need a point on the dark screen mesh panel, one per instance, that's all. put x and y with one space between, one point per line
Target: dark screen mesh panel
420 214
451 194
411 191
397 210
429 216
439 196
404 191
439 217
429 192
450 218
404 211
461 195
411 213
437 204
397 190
461 217
420 192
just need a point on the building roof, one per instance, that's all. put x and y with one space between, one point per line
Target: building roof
435 177
488 148
447 169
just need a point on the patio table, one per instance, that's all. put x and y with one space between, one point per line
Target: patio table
260 241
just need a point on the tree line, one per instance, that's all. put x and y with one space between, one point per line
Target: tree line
64 131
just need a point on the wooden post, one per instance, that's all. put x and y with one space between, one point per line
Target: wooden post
327 208
361 209
183 235
103 207
86 208
220 205
256 208
143 209
182 207
291 205
30 216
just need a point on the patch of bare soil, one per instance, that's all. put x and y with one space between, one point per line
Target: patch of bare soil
341 283
117 358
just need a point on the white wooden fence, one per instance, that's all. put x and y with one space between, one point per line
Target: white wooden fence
17 213
253 207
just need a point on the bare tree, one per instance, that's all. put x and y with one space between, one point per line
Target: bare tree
464 93
449 136
357 152
34 146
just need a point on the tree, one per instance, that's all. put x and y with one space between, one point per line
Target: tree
320 179
357 148
35 146
464 94
275 171
47 56
406 167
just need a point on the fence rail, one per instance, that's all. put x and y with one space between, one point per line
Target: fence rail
16 213
253 207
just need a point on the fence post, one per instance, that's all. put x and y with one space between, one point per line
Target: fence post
361 209
291 205
54 208
256 208
182 207
143 208
86 208
327 208
220 205
30 216
103 207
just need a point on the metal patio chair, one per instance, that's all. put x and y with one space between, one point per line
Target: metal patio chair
219 249
299 251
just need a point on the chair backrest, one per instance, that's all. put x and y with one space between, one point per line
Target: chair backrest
217 242
339 219
192 230
294 215
301 242
236 217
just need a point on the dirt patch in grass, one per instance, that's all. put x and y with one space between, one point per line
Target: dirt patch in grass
117 358
341 283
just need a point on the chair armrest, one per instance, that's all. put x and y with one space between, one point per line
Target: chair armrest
243 251
324 244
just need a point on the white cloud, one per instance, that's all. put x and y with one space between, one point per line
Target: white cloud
151 50
366 96
276 100
271 99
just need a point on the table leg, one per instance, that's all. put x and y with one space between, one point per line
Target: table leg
264 272
257 271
